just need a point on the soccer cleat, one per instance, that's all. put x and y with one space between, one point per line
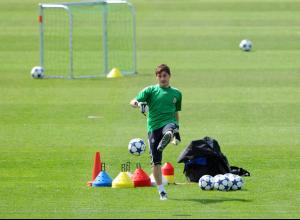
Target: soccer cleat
175 141
166 139
163 196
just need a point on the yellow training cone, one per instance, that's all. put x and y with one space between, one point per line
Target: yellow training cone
114 73
122 181
170 179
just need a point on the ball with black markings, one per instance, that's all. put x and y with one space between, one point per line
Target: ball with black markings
136 146
206 182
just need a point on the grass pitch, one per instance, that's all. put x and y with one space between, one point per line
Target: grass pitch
249 102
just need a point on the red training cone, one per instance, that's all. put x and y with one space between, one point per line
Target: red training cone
97 168
140 178
168 172
167 169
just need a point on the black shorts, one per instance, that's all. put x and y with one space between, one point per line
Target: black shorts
154 138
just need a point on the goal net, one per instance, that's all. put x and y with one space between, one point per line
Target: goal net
87 39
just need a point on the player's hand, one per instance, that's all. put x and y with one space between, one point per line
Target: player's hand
143 107
134 103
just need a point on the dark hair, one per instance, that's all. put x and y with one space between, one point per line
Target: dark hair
162 68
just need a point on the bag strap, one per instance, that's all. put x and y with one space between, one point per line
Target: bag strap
239 171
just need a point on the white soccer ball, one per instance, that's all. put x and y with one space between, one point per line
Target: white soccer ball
37 72
136 146
231 177
206 182
222 183
246 45
237 183
217 176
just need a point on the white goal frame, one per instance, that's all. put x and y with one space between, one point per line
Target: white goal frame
105 47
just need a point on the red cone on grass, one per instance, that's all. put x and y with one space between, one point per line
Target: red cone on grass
168 172
97 168
140 178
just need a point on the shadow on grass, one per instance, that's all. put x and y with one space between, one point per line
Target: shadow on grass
212 201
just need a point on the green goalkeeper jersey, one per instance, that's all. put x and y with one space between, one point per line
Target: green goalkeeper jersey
163 104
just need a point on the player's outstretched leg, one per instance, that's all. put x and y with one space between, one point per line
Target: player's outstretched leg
166 139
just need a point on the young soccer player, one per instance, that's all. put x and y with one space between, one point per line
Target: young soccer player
164 103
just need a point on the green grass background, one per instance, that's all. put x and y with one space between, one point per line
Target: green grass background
249 102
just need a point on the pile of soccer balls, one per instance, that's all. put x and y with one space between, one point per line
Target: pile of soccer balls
220 182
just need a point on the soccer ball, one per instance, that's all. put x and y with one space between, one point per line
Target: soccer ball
206 182
231 177
222 183
217 177
237 183
246 45
136 146
37 72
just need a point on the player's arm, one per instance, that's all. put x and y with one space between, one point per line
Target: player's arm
178 107
177 116
141 99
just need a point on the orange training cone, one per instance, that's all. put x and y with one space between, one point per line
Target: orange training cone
97 168
168 172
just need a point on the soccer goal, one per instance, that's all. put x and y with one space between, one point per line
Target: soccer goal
87 39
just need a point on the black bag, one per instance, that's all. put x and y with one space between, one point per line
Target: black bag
204 157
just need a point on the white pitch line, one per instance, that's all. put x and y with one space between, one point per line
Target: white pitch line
94 117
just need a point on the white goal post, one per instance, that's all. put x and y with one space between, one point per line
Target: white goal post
87 39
